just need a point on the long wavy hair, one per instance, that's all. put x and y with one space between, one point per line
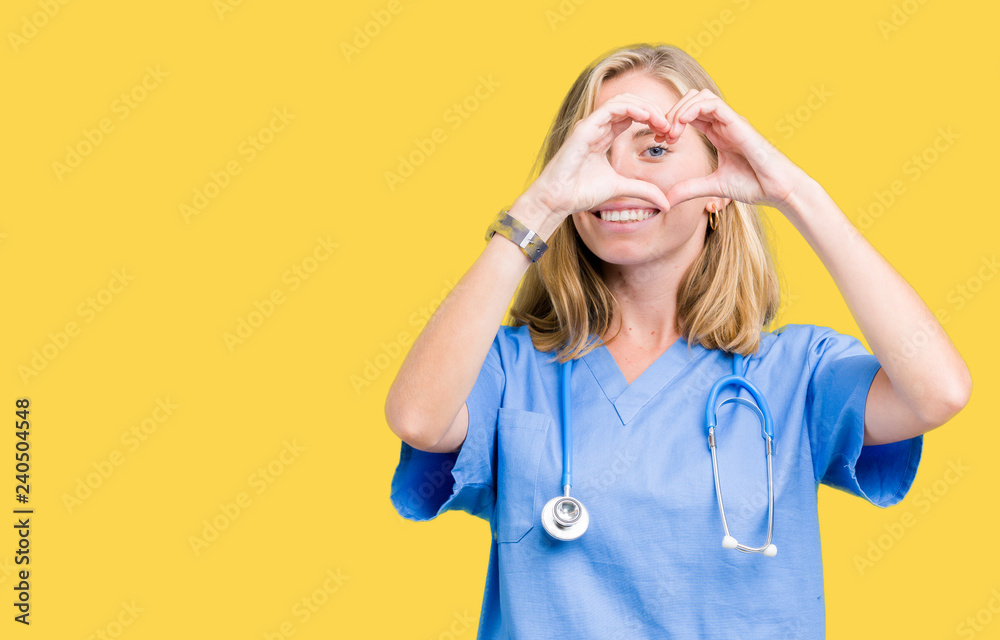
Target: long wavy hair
729 293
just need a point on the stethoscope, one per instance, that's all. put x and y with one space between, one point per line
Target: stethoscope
565 518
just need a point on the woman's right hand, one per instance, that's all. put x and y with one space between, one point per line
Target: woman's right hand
579 176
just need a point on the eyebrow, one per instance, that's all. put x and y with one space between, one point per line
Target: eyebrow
641 133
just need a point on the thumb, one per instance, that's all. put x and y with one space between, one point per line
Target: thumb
690 188
645 190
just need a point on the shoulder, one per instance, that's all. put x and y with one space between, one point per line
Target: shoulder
515 337
805 344
514 347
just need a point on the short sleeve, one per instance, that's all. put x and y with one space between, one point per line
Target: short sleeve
841 373
426 484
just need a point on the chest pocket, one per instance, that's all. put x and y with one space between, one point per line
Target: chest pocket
520 439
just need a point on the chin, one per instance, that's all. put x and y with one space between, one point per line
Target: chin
619 253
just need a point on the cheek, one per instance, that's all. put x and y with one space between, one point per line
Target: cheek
580 221
585 227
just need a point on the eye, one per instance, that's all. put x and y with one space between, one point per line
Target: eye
664 150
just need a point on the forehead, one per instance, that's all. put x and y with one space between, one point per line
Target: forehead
642 85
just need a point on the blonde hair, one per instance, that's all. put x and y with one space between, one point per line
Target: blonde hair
727 296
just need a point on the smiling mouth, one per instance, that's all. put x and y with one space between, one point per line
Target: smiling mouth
626 215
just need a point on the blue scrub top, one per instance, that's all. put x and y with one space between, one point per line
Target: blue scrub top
651 564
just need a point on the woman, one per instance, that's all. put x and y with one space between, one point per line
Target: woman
653 310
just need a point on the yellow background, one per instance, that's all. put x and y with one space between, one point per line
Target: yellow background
322 176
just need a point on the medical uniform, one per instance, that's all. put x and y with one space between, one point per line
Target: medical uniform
651 564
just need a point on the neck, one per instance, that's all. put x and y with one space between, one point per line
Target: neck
647 300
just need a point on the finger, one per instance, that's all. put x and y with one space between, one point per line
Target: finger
596 133
644 190
701 109
655 117
705 110
699 113
671 114
607 118
708 109
614 110
691 188
618 118
603 143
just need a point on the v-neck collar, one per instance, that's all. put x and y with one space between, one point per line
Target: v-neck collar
628 399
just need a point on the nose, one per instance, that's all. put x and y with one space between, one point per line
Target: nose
619 155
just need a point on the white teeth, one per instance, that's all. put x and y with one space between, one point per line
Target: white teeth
627 215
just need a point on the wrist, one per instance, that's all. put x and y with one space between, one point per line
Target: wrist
802 197
536 215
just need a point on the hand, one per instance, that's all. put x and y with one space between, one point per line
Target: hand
751 169
579 176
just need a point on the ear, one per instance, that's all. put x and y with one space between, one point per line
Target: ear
721 204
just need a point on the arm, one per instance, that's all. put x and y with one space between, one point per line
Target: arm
923 381
425 405
426 402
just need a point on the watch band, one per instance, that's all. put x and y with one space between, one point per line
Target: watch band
511 228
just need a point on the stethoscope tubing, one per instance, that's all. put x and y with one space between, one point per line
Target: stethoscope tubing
566 374
763 413
555 522
737 378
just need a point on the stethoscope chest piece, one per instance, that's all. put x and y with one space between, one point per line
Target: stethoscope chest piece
565 518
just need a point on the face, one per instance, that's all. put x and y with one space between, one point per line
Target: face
676 234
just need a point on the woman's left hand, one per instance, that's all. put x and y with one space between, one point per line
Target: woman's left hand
751 169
